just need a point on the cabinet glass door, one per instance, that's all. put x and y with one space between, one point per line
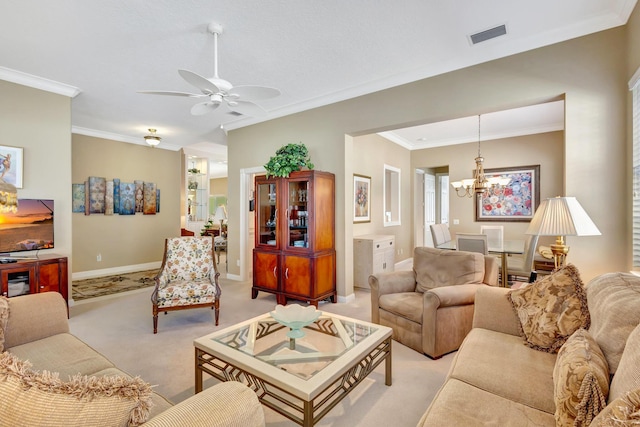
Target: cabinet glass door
297 225
266 213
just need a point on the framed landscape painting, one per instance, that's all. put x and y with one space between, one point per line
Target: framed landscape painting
361 198
516 201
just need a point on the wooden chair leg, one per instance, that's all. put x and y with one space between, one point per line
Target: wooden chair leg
216 307
155 319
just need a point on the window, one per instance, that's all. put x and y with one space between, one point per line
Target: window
634 86
391 196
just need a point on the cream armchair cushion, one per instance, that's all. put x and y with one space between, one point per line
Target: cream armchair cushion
430 309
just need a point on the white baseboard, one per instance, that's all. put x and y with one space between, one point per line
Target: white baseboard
348 298
115 270
405 264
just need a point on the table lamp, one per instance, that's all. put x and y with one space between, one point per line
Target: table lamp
561 216
221 215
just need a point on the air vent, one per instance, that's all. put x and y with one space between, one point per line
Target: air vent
489 34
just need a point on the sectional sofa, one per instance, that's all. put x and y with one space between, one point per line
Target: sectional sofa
50 377
508 374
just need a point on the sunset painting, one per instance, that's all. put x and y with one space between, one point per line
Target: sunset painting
30 228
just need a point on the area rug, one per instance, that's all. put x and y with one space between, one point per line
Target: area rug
108 285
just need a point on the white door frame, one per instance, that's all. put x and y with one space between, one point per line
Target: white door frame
246 185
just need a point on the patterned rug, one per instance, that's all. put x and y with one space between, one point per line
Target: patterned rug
108 285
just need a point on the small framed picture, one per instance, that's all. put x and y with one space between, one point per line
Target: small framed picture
11 163
361 198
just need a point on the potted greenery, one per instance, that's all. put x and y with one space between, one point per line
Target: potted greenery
288 158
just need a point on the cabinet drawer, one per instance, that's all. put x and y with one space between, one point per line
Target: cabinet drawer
382 245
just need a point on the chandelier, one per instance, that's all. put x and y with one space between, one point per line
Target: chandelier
478 185
8 197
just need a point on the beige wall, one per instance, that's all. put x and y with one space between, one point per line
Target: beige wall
587 71
39 122
373 153
218 186
546 150
124 240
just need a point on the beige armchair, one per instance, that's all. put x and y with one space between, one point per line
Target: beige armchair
430 308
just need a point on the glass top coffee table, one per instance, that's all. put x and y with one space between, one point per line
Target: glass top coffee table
301 378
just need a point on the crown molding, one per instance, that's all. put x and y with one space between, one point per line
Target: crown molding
36 82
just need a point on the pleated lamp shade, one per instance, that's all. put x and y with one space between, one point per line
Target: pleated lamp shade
562 216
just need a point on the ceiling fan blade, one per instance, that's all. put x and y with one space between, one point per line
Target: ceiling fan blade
247 108
200 82
204 108
254 93
170 93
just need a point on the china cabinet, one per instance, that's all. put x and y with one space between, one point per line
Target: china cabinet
294 256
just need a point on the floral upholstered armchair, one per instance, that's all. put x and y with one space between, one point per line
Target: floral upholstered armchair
188 277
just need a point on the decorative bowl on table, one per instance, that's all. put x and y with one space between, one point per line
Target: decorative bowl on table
295 317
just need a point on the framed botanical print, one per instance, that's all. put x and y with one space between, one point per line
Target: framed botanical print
361 198
516 201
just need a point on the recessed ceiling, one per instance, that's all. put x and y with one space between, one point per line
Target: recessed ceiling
314 52
547 117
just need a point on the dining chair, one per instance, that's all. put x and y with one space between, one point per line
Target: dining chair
470 242
522 267
495 235
440 234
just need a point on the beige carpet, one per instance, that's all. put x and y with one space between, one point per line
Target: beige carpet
120 327
109 285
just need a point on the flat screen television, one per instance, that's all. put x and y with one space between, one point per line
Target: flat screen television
29 229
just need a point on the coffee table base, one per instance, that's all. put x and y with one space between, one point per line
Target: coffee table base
303 412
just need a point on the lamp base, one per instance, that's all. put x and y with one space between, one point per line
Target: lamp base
560 251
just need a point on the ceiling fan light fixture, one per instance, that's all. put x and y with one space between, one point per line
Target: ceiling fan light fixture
152 139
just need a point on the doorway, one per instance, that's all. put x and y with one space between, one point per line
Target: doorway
432 202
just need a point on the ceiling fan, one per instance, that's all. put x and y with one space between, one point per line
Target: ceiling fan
239 99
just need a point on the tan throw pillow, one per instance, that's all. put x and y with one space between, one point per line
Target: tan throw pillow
615 312
30 398
4 318
581 380
627 376
551 309
622 412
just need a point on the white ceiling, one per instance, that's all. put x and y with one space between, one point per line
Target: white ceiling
315 52
547 117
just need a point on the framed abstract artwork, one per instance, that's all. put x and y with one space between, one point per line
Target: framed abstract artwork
514 202
11 165
361 198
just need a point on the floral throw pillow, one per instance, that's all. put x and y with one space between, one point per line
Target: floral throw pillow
551 309
622 412
581 380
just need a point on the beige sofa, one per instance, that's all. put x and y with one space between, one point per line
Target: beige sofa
37 330
497 380
430 308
